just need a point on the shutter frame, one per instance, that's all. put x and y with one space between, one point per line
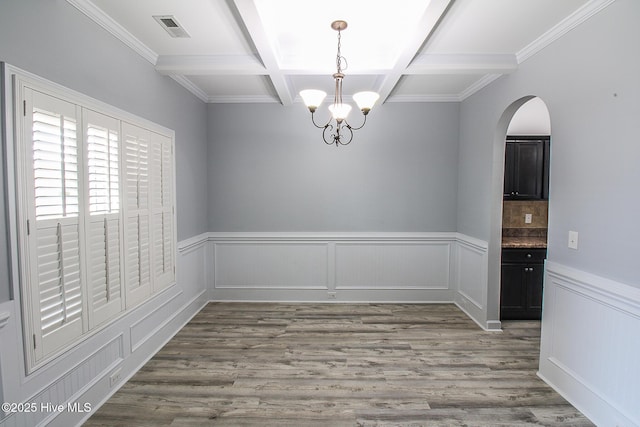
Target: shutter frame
136 209
103 212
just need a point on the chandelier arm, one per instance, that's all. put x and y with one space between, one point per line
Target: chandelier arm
361 126
317 125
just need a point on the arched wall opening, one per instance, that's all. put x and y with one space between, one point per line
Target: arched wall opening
528 115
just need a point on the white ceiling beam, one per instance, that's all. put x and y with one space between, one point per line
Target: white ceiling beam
251 18
425 27
200 65
462 64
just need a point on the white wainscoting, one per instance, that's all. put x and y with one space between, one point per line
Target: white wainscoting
590 346
340 267
82 374
471 281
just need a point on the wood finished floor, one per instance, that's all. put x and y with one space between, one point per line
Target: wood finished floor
248 364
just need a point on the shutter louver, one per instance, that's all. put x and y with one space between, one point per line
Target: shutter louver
55 165
59 277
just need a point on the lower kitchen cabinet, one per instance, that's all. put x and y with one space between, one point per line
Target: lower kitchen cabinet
521 284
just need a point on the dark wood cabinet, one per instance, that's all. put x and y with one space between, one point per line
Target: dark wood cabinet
526 170
521 284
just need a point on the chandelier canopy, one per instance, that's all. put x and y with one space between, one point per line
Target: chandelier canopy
339 132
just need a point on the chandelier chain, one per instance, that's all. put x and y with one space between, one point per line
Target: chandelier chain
339 58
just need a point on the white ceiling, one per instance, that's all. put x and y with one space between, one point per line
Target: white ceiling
269 50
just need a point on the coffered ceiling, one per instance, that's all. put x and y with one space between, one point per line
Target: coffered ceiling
407 50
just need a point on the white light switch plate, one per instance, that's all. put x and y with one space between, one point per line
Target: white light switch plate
573 240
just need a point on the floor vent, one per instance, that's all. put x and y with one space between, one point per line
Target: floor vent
171 26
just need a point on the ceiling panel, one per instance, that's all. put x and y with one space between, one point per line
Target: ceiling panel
497 26
301 35
241 86
434 84
210 23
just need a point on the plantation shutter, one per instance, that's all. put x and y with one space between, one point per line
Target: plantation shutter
104 225
162 211
137 218
53 157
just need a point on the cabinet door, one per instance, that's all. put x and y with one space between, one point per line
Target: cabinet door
534 278
528 170
509 166
513 291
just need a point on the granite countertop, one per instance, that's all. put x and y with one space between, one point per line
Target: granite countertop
524 242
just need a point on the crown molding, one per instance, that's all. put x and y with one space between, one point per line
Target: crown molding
479 84
569 23
193 65
243 99
190 86
462 63
105 21
424 98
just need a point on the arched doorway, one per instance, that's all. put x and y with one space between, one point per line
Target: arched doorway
521 220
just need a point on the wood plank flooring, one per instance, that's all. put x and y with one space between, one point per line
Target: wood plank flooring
258 364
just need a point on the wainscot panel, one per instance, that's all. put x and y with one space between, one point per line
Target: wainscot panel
389 265
274 265
471 281
590 344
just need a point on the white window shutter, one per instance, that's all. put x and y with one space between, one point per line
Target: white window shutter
97 197
137 222
56 286
104 229
162 208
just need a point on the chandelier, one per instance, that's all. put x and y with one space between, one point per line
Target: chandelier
340 132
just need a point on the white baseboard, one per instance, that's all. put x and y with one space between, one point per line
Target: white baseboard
590 344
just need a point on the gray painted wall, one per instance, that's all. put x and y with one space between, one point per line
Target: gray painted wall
54 40
271 171
589 81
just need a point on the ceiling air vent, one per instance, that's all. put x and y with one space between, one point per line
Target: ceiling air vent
171 25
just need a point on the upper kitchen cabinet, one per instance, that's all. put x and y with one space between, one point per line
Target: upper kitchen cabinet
526 170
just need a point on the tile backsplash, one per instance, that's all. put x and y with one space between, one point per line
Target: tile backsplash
514 211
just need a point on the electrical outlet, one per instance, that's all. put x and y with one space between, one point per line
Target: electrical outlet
331 295
528 218
573 240
115 377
